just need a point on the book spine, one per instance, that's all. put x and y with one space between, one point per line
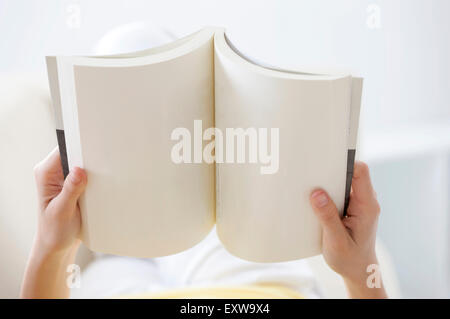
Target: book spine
348 184
52 70
62 151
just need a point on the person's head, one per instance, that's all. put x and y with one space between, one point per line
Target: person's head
133 37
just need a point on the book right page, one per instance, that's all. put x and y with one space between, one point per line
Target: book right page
297 127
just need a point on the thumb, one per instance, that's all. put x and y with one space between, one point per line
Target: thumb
328 215
73 187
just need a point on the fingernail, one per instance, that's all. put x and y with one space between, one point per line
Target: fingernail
75 177
319 198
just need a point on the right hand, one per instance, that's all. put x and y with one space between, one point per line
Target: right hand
349 243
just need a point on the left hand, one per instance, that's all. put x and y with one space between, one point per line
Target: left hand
59 220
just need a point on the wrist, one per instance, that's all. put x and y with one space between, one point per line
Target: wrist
46 271
54 241
359 267
365 281
43 252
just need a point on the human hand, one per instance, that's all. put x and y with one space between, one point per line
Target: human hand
349 243
59 220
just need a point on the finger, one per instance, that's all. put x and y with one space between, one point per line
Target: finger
74 186
328 215
49 167
361 184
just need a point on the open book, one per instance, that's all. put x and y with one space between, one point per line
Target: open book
159 179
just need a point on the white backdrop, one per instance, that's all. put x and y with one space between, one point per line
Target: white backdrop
400 47
405 61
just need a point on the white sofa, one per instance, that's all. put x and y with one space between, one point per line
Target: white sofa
26 136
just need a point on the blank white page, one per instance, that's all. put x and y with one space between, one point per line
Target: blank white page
138 202
268 218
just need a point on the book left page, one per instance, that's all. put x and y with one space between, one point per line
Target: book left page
119 115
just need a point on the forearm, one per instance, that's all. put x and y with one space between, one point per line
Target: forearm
46 273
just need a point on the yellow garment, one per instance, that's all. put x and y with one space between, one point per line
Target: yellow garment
239 292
